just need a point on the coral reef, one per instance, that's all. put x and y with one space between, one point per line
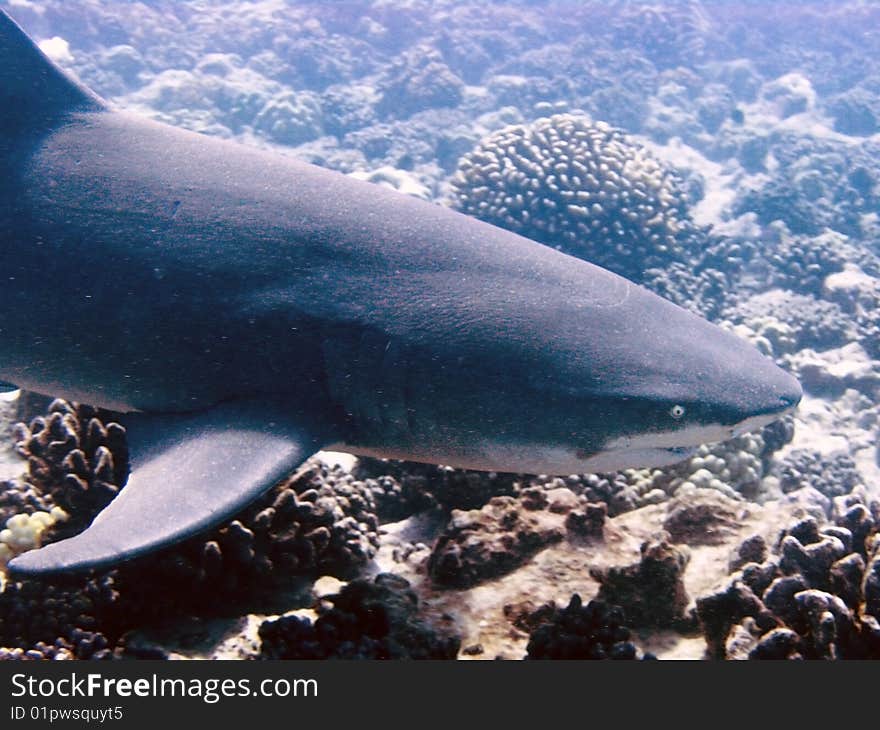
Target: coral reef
817 184
698 516
321 521
21 497
290 118
736 468
365 620
808 321
774 145
801 263
856 289
833 475
650 592
814 597
856 112
418 81
584 187
481 544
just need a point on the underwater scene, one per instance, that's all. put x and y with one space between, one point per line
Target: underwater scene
434 329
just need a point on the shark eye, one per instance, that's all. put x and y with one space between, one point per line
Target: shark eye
676 411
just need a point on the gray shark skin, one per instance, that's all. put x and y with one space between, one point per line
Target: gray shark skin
246 309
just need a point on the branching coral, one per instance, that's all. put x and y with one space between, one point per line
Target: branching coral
77 458
814 597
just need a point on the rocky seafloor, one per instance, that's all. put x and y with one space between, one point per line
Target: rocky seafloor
723 155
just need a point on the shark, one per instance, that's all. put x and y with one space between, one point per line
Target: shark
241 310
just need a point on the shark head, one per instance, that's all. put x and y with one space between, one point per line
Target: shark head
696 384
560 367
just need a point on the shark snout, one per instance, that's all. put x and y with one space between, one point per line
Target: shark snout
788 394
782 398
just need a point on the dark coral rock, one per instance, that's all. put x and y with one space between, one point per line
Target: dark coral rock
485 543
651 592
720 611
851 513
759 576
751 550
18 497
805 531
872 587
779 596
368 620
775 435
741 639
813 561
828 629
581 186
846 580
589 522
594 631
780 643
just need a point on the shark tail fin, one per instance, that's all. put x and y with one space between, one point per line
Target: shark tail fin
33 90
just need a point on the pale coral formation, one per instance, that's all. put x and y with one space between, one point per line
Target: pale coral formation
25 532
582 186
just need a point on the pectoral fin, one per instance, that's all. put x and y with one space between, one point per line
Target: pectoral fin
189 473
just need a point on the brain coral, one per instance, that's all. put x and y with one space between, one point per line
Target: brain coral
581 186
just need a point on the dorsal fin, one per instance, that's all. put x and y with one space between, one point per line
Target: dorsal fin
33 90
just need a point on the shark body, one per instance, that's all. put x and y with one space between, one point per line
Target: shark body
245 310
